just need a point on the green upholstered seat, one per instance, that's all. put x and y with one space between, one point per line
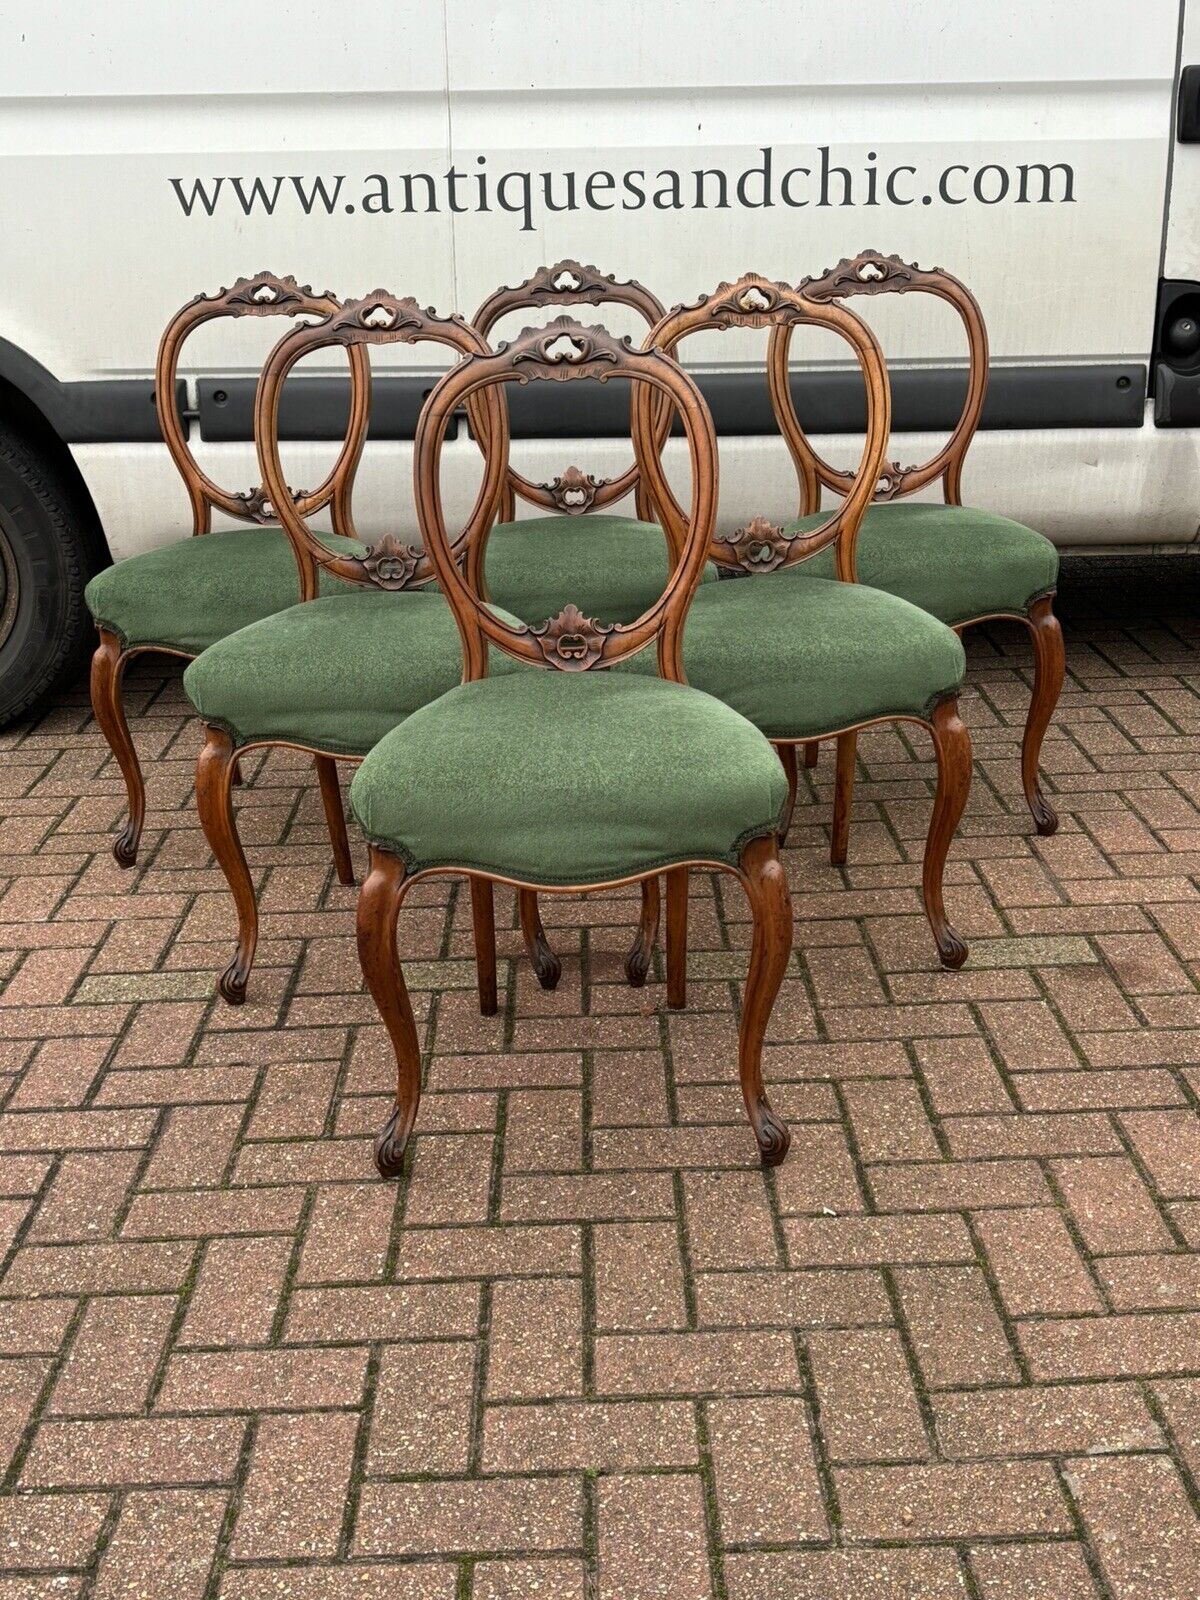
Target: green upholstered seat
192 592
612 568
956 562
335 674
802 656
569 778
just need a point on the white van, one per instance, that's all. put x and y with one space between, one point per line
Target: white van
1038 149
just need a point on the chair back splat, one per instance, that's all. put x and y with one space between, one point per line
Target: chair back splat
872 274
378 319
759 545
570 642
570 283
263 295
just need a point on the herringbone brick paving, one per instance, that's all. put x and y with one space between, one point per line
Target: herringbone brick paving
588 1348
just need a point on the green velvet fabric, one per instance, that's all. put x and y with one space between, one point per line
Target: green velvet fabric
188 594
802 656
956 562
612 568
564 778
336 673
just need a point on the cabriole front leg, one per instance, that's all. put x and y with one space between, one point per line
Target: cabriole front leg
546 965
641 952
378 908
771 909
108 669
1049 658
214 802
952 746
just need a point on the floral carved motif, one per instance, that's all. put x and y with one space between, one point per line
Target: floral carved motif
753 302
570 641
382 312
869 273
564 348
574 491
760 546
266 295
391 564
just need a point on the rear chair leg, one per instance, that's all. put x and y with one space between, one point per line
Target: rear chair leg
952 746
214 786
483 918
843 798
335 817
771 908
1049 667
378 908
810 752
546 965
677 933
641 952
108 668
787 757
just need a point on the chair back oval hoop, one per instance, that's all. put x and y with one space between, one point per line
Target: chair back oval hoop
263 295
871 273
569 283
759 545
566 351
380 318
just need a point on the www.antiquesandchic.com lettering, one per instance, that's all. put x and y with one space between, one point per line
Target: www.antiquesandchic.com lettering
531 195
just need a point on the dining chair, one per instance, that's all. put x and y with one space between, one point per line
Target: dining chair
962 564
572 777
611 566
806 657
334 673
182 597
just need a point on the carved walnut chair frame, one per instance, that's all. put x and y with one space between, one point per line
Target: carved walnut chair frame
760 547
871 273
572 643
378 319
573 493
263 295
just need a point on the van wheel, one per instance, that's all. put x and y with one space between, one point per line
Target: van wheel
45 561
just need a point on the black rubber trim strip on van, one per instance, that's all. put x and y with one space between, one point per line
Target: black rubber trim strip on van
925 399
121 410
93 411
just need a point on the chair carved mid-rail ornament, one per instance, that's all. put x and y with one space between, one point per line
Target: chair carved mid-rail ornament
869 272
574 491
760 545
570 641
255 506
391 563
567 280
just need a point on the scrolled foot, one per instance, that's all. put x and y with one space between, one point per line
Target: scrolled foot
951 947
772 1135
125 848
1045 818
637 962
547 967
232 983
391 1144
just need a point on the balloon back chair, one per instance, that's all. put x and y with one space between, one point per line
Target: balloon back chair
565 776
795 653
183 597
336 672
611 567
962 564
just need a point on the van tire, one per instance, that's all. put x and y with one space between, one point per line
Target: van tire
46 557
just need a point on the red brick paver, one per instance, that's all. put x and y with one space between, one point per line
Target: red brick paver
587 1348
